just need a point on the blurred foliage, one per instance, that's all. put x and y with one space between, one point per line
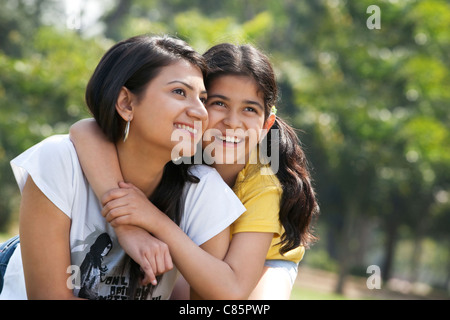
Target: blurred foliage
372 104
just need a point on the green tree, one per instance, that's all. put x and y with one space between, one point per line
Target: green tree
42 93
372 104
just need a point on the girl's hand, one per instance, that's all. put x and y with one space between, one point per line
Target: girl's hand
128 205
127 208
151 254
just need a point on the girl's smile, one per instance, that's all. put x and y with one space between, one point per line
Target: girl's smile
236 117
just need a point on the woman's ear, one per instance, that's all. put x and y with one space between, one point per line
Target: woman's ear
124 104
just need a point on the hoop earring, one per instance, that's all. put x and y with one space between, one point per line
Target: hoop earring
127 130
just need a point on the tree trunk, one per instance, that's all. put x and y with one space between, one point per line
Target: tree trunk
345 249
415 259
389 250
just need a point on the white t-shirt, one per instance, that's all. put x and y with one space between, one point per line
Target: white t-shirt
100 267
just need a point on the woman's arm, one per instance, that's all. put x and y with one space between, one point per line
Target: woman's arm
103 173
44 242
228 274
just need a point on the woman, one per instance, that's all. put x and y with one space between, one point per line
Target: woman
268 240
143 90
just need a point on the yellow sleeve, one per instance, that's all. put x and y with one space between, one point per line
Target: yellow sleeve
263 206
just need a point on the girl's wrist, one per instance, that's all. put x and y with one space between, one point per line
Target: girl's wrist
158 222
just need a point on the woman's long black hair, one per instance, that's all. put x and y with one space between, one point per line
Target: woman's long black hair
133 63
298 205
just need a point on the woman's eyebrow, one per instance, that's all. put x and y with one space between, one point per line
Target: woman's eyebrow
186 84
183 83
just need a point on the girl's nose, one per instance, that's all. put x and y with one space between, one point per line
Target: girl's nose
232 120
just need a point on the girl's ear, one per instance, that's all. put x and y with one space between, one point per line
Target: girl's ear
269 122
267 125
124 104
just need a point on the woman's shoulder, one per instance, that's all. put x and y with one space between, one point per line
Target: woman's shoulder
51 155
58 142
202 171
54 167
51 147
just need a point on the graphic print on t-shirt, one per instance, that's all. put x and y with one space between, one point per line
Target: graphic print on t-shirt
106 272
92 270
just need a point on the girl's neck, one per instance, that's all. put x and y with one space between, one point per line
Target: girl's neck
142 167
229 172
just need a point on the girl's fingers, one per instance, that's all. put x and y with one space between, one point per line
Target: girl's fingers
160 264
114 204
149 276
118 216
168 260
152 278
125 185
114 194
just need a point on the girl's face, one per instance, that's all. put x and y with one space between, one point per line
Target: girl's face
172 103
236 116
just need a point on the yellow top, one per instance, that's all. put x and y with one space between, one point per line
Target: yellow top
260 192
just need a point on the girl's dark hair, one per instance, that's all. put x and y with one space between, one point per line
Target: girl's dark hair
298 204
134 63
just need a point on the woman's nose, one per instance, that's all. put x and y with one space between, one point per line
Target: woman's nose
198 111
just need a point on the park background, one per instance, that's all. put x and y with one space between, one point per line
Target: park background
371 106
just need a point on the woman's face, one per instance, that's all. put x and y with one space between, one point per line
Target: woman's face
236 116
171 113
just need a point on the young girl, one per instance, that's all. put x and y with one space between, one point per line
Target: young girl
268 240
143 90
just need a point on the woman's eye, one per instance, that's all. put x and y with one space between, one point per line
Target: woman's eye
203 100
180 92
251 109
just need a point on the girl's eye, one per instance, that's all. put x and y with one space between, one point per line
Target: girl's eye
203 100
180 92
251 109
219 103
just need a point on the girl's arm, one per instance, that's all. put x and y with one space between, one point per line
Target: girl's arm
233 277
100 163
44 242
243 264
231 274
97 155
